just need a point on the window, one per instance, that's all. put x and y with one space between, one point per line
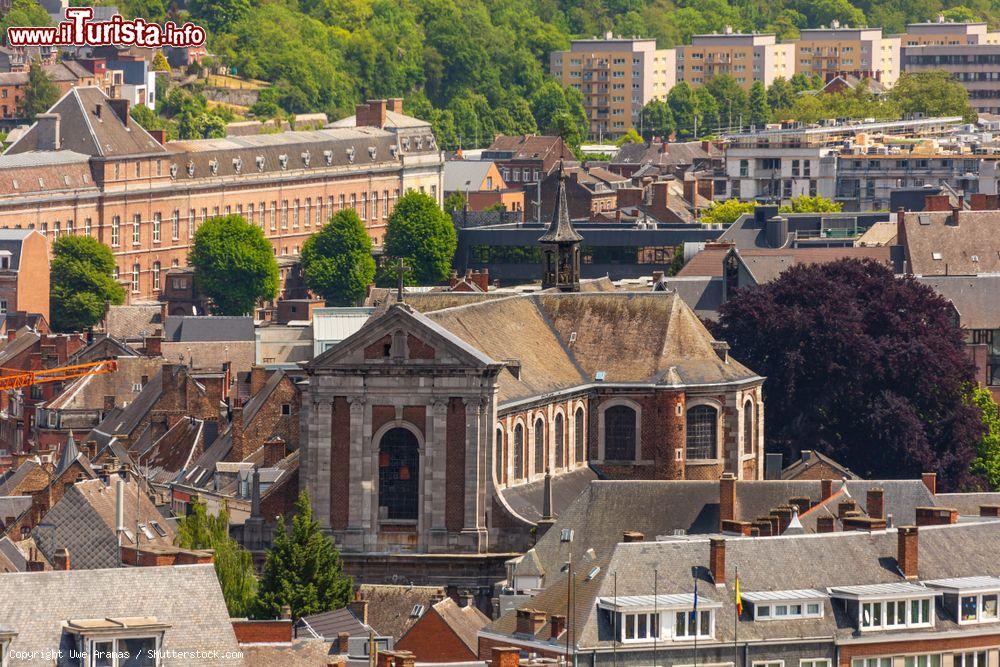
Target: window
786 610
136 222
156 227
156 275
86 226
702 432
881 614
687 624
284 214
540 446
748 419
3 305
135 277
295 214
971 659
560 444
639 627
871 662
518 451
977 608
274 216
498 464
922 661
121 651
579 436
769 663
116 225
286 409
619 433
398 476
175 225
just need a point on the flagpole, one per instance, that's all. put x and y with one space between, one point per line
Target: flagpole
656 613
736 621
695 620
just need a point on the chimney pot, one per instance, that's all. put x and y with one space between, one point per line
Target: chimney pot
61 560
826 488
875 504
727 497
930 481
632 536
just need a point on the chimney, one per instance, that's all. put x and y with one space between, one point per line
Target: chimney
763 526
557 624
159 135
845 506
824 524
506 656
989 510
855 521
258 378
48 131
875 504
727 497
690 191
900 227
802 504
274 451
744 528
630 536
239 450
936 516
717 559
953 219
529 621
61 559
359 608
825 488
154 346
395 104
342 641
930 481
906 552
120 107
371 114
468 599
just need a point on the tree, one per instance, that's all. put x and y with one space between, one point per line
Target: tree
987 461
233 264
863 366
757 106
23 13
730 98
455 201
807 204
233 563
684 107
780 95
160 63
337 261
934 93
630 137
302 569
726 212
658 119
423 235
82 282
39 93
677 262
217 15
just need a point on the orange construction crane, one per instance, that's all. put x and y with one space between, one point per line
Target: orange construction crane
13 378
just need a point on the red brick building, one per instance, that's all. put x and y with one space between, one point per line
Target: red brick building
445 633
24 272
87 168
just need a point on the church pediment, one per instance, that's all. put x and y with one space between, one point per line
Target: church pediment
402 337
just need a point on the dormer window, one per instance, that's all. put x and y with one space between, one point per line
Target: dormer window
970 600
328 157
283 161
350 154
646 618
116 642
306 157
888 606
190 169
371 152
173 171
213 166
237 164
260 163
785 605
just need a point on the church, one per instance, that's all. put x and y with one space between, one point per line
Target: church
460 424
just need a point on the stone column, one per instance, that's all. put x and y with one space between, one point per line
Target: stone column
475 416
436 447
359 503
319 432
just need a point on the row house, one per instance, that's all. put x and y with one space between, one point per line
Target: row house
87 168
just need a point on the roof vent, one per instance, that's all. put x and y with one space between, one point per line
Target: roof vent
599 376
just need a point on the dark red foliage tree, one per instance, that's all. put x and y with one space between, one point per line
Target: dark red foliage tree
862 366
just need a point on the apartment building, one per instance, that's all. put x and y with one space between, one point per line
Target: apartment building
948 33
617 77
975 66
87 168
747 57
860 52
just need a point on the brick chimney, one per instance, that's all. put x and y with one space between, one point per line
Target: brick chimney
824 524
274 451
930 481
371 114
529 621
727 497
258 378
121 108
159 135
660 204
825 488
763 526
784 516
690 190
901 228
737 528
632 536
154 346
865 523
359 607
906 551
989 510
61 559
395 104
801 503
239 450
506 656
936 516
875 503
717 559
286 612
845 506
937 202
557 624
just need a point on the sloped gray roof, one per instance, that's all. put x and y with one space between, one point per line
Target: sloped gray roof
527 499
186 598
976 298
208 328
458 172
329 624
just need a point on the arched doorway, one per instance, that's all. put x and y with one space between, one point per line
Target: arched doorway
398 475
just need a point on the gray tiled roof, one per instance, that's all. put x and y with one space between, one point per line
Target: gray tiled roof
186 598
199 329
976 298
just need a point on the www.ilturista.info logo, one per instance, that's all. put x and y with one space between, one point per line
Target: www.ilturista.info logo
79 30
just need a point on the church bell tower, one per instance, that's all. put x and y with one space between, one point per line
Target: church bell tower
561 246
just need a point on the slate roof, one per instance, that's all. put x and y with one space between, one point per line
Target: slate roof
703 294
527 499
208 328
186 598
800 562
133 322
84 131
390 607
561 229
529 147
298 653
457 172
329 624
173 452
83 521
658 340
126 420
976 298
11 558
393 120
663 154
967 248
44 171
765 264
810 458
968 504
10 480
23 341
880 233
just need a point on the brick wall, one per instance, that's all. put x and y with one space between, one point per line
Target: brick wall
849 652
340 448
432 640
260 632
455 467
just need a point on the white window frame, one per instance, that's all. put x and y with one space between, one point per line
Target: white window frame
883 618
90 641
116 231
136 226
175 225
980 618
772 607
687 615
923 660
814 662
157 222
652 620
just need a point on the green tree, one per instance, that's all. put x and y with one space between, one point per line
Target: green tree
39 93
337 261
709 113
455 201
677 262
233 563
160 63
658 119
684 108
726 212
82 282
233 264
807 204
23 13
757 106
987 461
218 15
780 95
934 93
630 137
302 569
422 234
801 82
730 98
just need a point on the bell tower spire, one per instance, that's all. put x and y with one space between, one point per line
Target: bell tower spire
561 246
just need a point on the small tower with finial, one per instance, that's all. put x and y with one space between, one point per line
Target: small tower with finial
561 246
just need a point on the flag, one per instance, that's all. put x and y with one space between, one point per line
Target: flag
696 593
739 598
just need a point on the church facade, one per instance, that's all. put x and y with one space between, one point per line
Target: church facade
457 424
